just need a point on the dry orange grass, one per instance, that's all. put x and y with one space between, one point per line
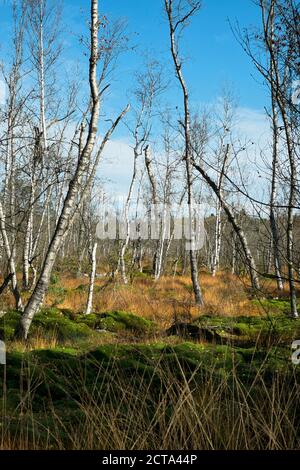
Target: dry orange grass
38 341
163 301
269 287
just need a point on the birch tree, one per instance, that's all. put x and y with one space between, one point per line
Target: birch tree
279 67
149 86
92 251
13 119
218 226
236 226
178 14
70 206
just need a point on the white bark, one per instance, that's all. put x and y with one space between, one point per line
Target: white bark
218 227
127 221
27 252
76 191
43 127
40 289
89 305
11 260
275 134
155 202
173 24
234 253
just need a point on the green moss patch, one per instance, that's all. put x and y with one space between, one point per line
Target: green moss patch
67 326
263 330
118 321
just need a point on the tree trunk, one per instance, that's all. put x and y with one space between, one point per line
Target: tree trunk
218 228
275 133
11 261
89 305
27 252
218 232
155 202
187 135
238 229
290 215
127 221
234 250
41 287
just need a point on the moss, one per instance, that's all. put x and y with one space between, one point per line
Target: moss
92 320
118 321
80 329
59 292
274 306
54 279
148 270
59 324
62 375
272 329
9 322
139 275
49 321
66 380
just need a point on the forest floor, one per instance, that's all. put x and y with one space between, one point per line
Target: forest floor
125 377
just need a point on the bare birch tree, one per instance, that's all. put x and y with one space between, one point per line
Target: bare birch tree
179 13
14 105
279 36
70 205
149 86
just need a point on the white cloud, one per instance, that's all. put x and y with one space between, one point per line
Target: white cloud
116 167
253 128
253 125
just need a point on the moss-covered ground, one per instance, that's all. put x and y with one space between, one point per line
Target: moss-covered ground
95 374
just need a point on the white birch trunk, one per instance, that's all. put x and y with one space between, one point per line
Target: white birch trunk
75 189
27 253
40 289
89 305
127 222
218 232
187 132
43 126
11 260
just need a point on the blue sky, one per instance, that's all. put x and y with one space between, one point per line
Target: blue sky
213 55
213 59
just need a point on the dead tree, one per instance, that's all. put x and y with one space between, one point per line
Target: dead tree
236 226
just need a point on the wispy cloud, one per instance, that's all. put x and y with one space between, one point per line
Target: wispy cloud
116 167
253 125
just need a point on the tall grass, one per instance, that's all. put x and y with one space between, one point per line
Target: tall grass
170 408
